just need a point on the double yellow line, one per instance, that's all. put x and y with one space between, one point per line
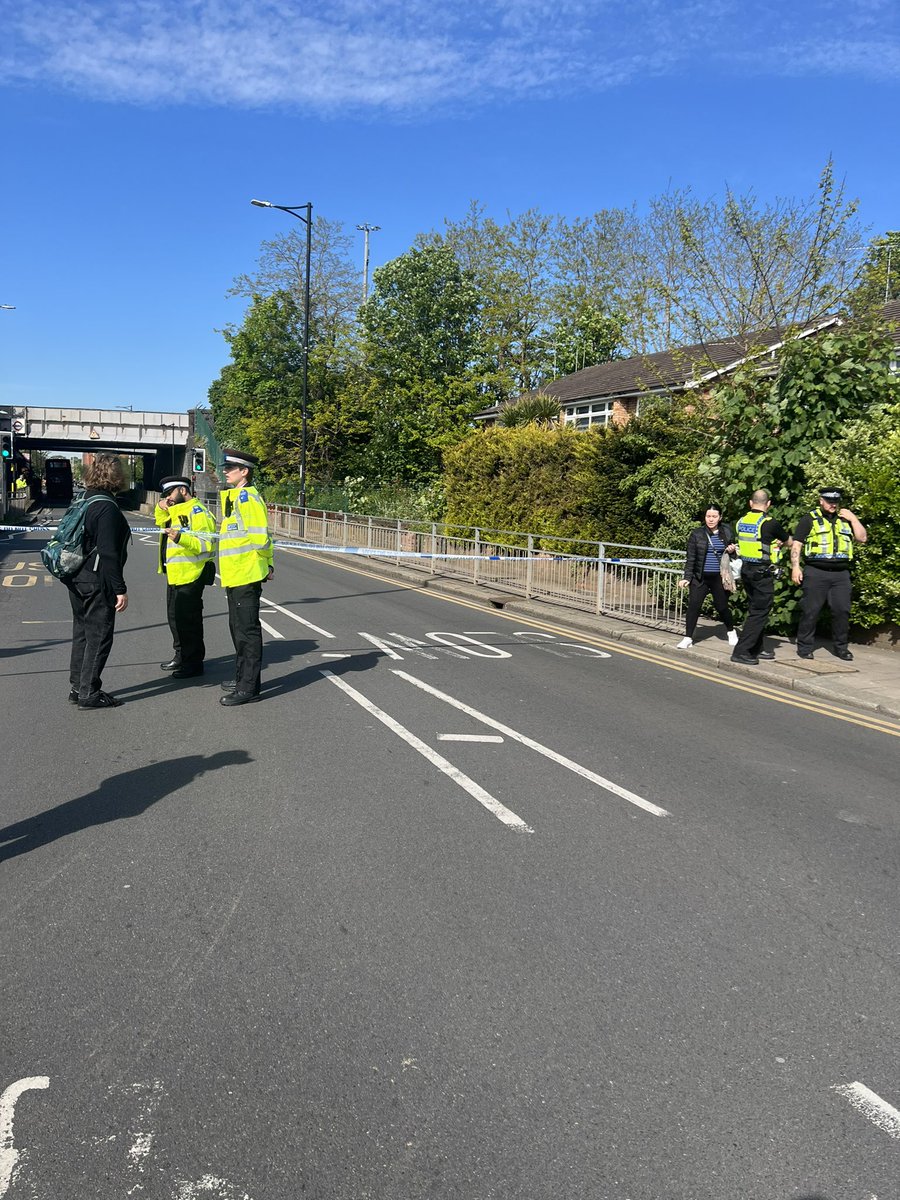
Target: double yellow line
824 708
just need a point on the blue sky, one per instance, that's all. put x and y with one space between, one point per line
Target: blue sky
133 136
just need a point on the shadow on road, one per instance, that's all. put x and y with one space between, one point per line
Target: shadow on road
312 672
121 796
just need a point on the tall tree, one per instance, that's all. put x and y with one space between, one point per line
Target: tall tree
334 280
419 340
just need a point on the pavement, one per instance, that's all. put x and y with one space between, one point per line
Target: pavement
870 683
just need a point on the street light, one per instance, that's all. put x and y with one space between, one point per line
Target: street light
294 210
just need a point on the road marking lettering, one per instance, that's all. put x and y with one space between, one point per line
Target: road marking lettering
607 784
410 646
9 1155
484 798
469 737
454 640
872 1107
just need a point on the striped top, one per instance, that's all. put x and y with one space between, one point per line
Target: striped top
715 548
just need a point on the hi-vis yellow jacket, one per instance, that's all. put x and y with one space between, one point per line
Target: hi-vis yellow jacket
828 540
184 560
245 548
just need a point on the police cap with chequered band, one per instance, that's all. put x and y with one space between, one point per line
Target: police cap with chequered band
831 494
173 481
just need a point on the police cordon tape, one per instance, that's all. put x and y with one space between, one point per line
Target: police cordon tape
369 552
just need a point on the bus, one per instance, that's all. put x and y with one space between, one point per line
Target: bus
58 480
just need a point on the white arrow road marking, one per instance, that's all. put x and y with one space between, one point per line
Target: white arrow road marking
878 1111
631 797
9 1156
474 789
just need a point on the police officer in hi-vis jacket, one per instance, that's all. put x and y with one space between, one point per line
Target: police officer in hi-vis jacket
245 562
825 536
759 538
186 558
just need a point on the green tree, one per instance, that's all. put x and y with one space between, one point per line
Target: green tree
256 401
418 344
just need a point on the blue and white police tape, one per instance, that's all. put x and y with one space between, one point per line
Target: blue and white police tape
372 552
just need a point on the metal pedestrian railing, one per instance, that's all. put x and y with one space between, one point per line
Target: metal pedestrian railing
636 583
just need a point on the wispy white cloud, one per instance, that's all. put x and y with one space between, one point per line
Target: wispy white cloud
409 56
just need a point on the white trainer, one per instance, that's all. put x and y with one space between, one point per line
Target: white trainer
685 644
732 637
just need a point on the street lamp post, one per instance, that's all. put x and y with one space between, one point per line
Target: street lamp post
295 211
366 229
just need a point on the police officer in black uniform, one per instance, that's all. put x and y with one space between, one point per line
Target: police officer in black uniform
826 536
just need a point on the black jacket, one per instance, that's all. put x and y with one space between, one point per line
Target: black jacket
106 538
698 544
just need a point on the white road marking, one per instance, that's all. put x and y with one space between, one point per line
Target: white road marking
631 797
208 1185
474 789
469 737
486 651
333 654
142 1134
876 1110
268 628
9 1156
300 620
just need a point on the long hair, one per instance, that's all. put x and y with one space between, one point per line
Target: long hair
105 472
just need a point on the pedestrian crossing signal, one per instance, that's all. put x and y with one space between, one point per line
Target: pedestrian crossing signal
199 462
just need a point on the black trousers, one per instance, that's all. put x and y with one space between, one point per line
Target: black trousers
184 608
759 584
833 588
93 626
246 633
700 589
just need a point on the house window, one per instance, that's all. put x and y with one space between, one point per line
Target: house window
583 416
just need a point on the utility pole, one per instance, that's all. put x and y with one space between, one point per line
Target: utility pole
366 229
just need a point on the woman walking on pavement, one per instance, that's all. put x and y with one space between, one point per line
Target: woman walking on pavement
703 572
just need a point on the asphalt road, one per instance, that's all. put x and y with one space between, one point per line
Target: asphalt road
468 907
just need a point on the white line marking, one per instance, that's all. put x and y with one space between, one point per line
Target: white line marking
333 654
287 612
631 797
474 789
208 1185
268 628
469 737
878 1111
9 1156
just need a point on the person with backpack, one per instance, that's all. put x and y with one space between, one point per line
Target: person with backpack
187 559
97 589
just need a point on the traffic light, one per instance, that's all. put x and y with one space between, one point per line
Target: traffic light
199 462
6 447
